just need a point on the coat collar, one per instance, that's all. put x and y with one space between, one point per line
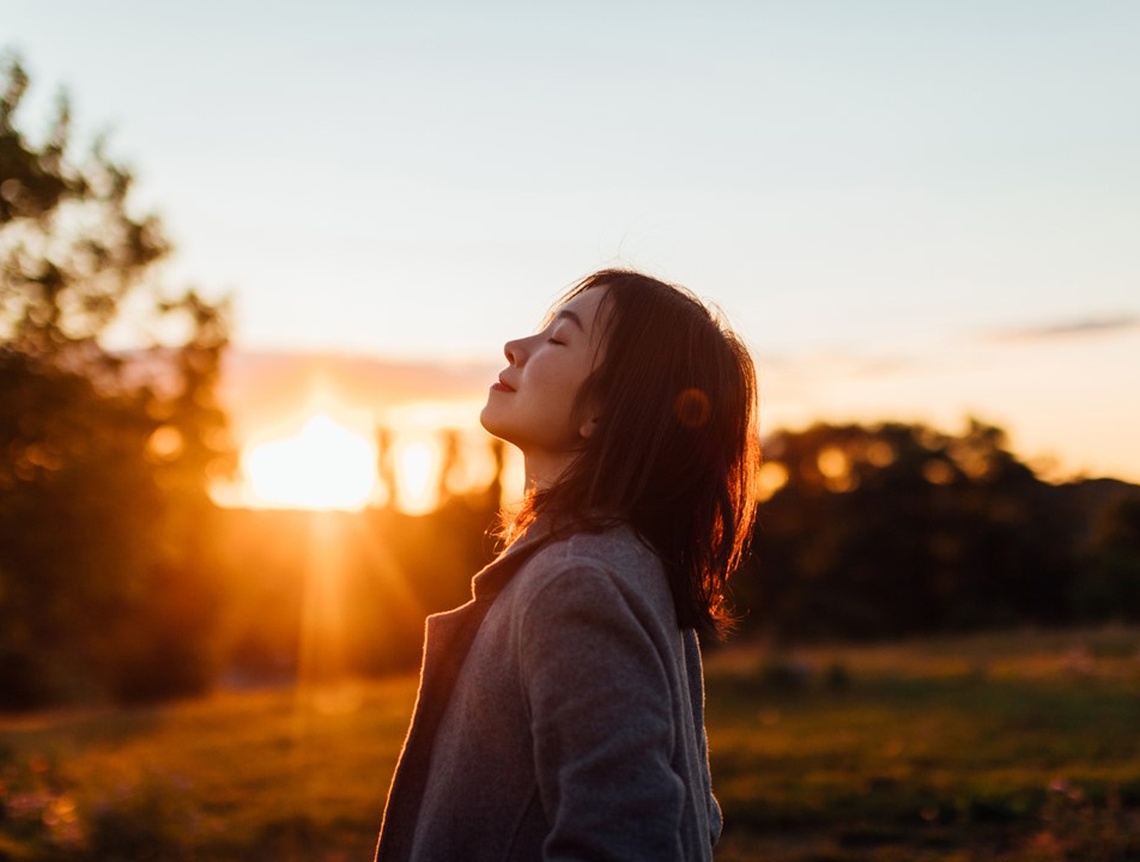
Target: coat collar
493 577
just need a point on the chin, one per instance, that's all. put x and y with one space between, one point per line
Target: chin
495 429
487 420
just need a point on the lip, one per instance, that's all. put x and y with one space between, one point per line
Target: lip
501 386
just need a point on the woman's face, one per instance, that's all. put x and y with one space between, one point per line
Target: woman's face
532 403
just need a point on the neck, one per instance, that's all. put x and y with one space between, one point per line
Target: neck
542 472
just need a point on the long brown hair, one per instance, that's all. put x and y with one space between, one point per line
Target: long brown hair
676 446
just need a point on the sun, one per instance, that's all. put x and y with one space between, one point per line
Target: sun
325 465
417 475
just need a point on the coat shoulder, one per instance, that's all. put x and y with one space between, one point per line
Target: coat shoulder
614 559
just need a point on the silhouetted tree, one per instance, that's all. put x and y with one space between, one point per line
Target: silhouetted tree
105 455
386 463
898 529
1109 588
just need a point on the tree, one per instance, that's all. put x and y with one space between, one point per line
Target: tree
106 453
1110 588
871 532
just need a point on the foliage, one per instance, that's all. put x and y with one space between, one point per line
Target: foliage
880 544
1111 587
871 532
105 454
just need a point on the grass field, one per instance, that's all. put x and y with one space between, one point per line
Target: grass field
1018 746
1013 747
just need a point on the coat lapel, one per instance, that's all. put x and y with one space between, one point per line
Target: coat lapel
447 640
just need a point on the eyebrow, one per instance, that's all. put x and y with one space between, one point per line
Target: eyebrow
572 317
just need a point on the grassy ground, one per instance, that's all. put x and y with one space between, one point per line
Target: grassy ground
1018 746
1012 747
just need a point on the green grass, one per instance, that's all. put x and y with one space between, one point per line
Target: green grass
1021 746
1013 747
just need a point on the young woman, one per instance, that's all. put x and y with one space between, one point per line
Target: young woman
560 712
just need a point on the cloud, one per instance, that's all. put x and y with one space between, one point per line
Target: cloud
1084 326
260 389
839 364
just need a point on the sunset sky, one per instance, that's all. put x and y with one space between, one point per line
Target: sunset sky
911 210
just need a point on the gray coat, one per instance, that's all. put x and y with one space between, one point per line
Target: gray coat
575 726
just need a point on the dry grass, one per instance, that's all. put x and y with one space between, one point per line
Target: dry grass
247 775
1020 746
1017 746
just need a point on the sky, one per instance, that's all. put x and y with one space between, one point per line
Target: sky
910 210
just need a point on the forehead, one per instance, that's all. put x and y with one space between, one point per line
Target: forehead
583 310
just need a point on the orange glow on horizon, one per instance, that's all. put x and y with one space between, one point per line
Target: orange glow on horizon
418 463
325 465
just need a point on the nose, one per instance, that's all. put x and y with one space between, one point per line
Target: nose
515 351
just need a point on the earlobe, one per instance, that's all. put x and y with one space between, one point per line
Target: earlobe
587 429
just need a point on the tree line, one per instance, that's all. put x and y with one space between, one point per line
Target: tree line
898 529
120 579
105 455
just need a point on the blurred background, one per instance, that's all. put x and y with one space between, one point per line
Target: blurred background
256 270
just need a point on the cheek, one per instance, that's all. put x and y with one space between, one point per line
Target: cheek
562 400
547 418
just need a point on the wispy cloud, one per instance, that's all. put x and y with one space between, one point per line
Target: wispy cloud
837 363
1110 324
263 388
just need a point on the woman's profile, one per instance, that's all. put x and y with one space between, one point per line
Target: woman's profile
560 713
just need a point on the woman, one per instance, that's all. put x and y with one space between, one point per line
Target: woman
560 712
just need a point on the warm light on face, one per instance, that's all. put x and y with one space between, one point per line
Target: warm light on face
323 466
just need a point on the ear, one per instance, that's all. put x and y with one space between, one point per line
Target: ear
588 426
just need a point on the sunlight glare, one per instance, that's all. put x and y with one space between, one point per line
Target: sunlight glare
323 466
417 476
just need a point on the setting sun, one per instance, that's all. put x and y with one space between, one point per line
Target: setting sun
325 465
417 475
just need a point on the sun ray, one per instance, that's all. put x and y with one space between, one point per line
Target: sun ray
417 475
324 465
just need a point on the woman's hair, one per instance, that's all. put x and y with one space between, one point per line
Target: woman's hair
676 446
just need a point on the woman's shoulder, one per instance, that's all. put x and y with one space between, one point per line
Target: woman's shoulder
611 558
612 546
